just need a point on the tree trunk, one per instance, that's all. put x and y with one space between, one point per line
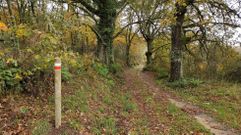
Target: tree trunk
10 13
128 63
149 52
177 45
99 49
21 10
106 28
32 6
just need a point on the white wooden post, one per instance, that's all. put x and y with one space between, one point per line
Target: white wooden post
57 69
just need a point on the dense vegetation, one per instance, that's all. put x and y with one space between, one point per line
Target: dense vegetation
189 44
32 29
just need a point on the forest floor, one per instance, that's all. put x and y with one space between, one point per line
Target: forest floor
197 111
221 100
132 104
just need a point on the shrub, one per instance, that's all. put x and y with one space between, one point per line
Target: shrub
28 64
66 75
185 83
37 82
155 68
234 75
149 68
10 75
101 69
162 73
115 68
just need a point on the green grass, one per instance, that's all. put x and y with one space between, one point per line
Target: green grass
177 121
78 101
127 104
222 100
75 124
183 122
24 110
41 127
185 83
106 125
98 107
141 127
98 102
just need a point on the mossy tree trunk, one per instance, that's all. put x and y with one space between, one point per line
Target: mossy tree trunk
99 49
177 44
128 62
106 28
149 51
106 11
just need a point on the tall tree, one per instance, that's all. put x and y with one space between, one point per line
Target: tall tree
149 14
177 42
199 19
130 33
104 13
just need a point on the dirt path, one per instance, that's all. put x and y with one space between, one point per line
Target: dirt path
204 119
134 84
148 80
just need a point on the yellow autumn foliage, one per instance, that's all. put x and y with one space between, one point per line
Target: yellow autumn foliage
18 77
22 31
3 26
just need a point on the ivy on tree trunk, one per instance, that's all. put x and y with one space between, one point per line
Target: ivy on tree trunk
106 11
106 29
177 43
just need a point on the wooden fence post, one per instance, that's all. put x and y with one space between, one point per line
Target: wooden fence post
57 85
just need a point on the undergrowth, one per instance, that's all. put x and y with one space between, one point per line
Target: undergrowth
185 83
219 99
41 127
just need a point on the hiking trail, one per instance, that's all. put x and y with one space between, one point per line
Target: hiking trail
148 79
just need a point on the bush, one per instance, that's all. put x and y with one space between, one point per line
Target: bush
101 69
28 63
234 75
162 73
185 83
115 68
66 75
10 75
37 82
150 68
